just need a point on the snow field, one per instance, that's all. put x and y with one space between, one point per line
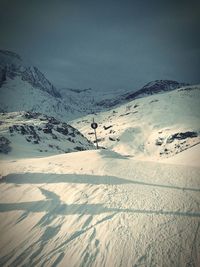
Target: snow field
143 127
98 208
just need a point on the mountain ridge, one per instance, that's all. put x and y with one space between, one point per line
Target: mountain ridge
12 65
21 79
153 87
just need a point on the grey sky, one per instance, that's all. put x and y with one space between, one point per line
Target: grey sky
105 44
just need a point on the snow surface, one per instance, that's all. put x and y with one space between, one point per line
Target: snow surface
190 157
98 208
19 95
149 128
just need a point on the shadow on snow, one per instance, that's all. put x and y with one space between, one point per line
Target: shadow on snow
49 178
52 205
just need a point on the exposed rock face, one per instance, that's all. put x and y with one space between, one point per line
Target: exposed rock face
39 132
182 136
177 142
4 145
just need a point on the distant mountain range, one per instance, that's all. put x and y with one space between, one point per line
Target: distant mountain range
155 87
157 120
24 87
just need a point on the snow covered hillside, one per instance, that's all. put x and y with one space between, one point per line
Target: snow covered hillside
151 127
89 100
12 65
24 87
28 134
98 208
151 88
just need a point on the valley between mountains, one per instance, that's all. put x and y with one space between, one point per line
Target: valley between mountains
135 201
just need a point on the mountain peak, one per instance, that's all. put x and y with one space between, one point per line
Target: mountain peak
163 84
153 87
11 66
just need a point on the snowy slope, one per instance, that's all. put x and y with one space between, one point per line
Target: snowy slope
190 157
18 95
24 87
151 88
12 65
90 101
97 208
28 134
152 127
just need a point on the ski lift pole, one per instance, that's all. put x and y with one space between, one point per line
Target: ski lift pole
94 126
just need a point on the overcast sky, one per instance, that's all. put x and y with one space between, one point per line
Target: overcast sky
105 44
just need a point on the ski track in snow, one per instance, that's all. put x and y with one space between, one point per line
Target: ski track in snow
112 211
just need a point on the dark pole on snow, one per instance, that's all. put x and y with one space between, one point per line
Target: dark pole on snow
94 125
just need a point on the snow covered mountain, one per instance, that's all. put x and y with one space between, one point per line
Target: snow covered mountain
92 101
11 66
89 100
25 88
154 87
28 134
135 203
158 120
155 126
